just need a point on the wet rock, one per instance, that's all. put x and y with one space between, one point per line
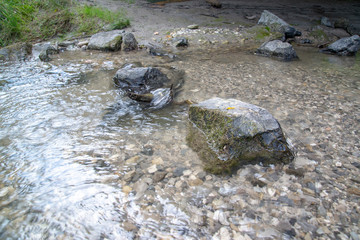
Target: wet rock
106 41
178 171
221 217
159 176
128 226
327 22
180 42
47 50
194 181
16 52
233 133
271 20
129 42
344 47
214 3
290 32
278 49
154 51
152 169
139 80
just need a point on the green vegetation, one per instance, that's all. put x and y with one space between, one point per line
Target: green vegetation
30 20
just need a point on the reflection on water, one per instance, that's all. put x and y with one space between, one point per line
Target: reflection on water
77 156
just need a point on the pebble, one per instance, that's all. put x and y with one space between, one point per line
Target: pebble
193 26
159 176
126 189
132 160
4 192
152 169
157 161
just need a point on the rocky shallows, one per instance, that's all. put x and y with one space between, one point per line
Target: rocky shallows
229 133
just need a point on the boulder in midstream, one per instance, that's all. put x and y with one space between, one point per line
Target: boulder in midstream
228 134
278 49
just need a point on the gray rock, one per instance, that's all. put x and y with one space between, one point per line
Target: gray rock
47 50
139 80
180 42
271 20
129 42
16 52
106 41
278 49
345 46
327 22
233 133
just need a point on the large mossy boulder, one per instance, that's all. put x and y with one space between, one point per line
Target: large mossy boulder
278 49
106 41
228 134
344 47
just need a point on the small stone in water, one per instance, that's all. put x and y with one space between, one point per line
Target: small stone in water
152 169
4 192
158 161
127 189
158 176
338 164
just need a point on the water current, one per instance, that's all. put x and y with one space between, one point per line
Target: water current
79 160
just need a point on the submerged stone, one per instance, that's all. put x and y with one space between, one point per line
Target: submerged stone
228 134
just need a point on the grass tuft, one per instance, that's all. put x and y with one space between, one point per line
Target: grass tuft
31 20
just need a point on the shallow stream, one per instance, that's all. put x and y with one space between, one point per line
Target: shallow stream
79 160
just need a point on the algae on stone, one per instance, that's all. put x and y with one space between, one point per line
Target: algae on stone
229 133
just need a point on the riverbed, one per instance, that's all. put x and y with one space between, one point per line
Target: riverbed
79 160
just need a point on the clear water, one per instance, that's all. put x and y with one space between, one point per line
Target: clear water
67 134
